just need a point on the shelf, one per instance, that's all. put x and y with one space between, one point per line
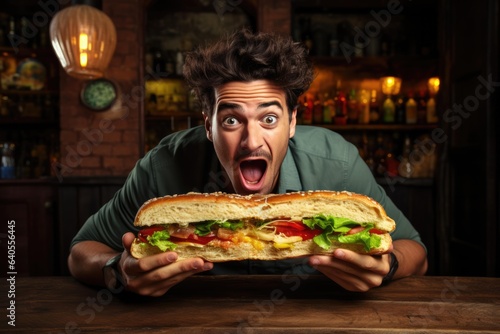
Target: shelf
379 127
24 52
402 181
26 92
169 115
28 121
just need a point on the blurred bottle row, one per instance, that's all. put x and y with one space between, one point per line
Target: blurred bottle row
396 155
367 107
29 158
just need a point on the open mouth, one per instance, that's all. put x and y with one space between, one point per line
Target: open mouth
252 171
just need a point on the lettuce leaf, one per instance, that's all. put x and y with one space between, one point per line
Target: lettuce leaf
368 240
334 229
160 240
205 228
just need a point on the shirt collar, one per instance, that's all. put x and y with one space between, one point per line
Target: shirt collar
289 175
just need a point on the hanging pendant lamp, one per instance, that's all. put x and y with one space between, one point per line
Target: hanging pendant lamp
84 39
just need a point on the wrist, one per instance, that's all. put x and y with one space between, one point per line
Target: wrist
113 279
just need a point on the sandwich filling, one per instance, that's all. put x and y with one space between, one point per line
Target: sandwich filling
283 233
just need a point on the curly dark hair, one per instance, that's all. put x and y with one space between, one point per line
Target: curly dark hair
244 56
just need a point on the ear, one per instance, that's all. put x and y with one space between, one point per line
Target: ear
293 122
208 125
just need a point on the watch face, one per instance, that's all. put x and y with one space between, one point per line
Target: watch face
99 94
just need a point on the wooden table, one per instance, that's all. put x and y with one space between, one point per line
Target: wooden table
256 304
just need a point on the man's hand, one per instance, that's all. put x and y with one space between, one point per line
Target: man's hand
353 271
155 275
357 272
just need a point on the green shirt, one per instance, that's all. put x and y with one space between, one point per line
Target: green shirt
317 159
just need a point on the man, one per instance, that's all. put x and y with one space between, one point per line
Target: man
248 86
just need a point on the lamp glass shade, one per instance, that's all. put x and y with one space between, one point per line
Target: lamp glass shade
84 40
390 85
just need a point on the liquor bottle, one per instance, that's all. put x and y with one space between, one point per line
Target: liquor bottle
400 110
388 110
374 107
380 156
431 110
328 109
421 107
405 168
391 163
411 109
364 107
307 115
341 108
352 107
318 110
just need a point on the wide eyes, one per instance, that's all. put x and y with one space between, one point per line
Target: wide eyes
267 120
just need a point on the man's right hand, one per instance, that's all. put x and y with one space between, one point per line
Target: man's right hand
155 275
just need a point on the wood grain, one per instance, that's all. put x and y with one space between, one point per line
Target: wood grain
260 304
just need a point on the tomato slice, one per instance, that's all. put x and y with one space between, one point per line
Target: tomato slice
298 225
293 228
376 231
145 233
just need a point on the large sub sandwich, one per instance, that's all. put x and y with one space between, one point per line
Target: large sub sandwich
222 227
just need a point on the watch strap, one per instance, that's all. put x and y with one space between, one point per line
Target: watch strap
393 268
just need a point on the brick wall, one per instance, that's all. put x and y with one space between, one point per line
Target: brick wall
107 143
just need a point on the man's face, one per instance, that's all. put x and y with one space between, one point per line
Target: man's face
250 129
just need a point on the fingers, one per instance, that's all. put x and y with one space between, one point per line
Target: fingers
353 271
159 281
155 275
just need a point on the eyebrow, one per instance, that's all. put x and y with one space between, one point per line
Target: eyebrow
224 106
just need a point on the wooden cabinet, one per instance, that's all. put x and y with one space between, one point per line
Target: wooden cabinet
78 199
29 92
32 207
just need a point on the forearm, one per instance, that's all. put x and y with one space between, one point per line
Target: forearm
411 256
86 260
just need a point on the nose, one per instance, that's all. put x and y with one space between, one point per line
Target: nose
252 138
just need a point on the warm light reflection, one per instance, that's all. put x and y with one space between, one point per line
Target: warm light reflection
390 85
83 59
84 41
433 85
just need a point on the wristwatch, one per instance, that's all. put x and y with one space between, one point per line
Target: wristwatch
393 268
112 277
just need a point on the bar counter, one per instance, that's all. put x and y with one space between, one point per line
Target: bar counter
255 304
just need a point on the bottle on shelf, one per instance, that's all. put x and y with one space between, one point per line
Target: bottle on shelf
405 168
352 107
364 107
318 110
379 156
328 108
388 110
8 163
307 114
341 108
411 109
374 107
421 107
431 110
400 110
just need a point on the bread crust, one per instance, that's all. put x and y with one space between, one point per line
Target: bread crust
196 207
